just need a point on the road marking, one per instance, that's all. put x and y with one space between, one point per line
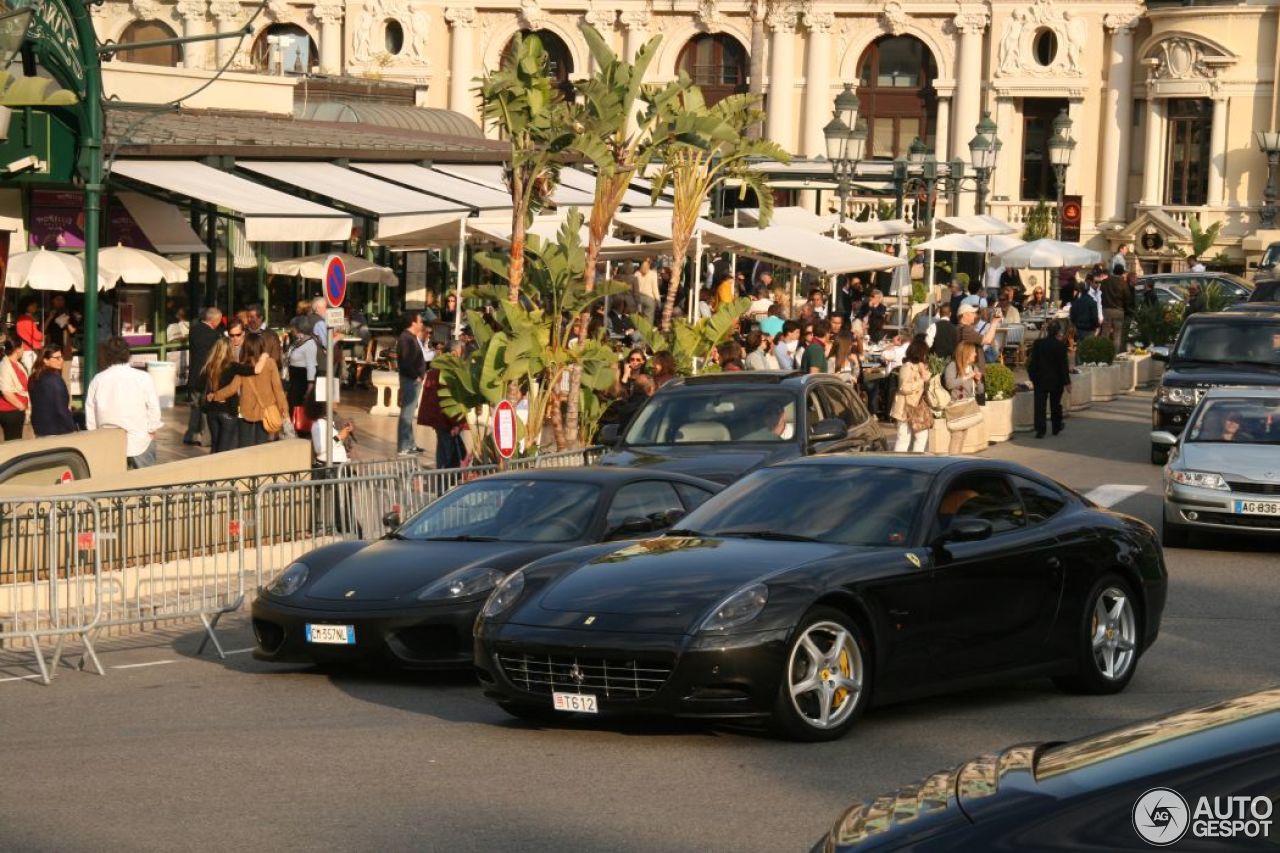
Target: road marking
238 651
139 665
19 678
1112 494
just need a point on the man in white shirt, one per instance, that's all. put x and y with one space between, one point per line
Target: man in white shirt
995 270
1121 257
1196 266
121 397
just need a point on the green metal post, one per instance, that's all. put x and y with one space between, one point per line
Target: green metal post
91 160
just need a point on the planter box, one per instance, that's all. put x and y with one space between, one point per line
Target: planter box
999 419
1023 412
386 390
1103 384
974 440
1126 375
1143 371
1081 389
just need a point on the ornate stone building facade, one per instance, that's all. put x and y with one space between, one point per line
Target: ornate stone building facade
1164 99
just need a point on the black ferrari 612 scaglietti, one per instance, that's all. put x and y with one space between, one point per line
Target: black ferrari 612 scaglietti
412 597
806 591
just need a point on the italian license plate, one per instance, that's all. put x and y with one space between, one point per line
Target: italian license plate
334 635
1257 507
575 703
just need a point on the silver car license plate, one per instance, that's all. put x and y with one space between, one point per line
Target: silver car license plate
1257 507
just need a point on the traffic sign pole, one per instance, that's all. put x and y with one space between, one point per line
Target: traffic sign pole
335 291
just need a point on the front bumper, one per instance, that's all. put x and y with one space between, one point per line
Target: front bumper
1169 417
661 674
1213 509
435 637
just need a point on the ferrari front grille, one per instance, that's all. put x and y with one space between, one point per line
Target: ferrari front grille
612 677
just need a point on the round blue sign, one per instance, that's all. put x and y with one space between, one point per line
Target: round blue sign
335 281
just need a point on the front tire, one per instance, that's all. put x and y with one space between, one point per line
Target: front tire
1107 640
826 679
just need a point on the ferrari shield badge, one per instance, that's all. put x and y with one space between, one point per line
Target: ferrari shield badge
913 559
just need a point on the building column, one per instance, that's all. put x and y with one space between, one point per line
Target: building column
1218 150
193 14
227 14
461 21
330 15
817 82
1117 119
942 132
971 23
1153 153
635 32
779 114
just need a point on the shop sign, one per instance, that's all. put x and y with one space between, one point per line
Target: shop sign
57 222
57 44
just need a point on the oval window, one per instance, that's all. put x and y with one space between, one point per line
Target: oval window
1045 46
394 37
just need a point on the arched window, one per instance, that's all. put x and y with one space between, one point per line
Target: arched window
140 31
718 64
285 49
559 59
895 87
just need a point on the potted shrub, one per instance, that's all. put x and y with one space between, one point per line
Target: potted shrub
1098 352
999 409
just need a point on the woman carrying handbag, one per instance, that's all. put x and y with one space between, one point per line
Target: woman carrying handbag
910 408
963 378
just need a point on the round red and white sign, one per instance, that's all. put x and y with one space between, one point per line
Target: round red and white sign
504 429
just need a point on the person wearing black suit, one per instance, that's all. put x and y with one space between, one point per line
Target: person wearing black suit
200 342
1050 376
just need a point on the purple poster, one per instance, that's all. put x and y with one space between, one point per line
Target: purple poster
57 222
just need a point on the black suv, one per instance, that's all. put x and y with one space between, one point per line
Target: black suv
1266 291
1176 284
1222 349
724 425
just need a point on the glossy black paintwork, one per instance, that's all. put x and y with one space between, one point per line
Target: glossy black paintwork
938 618
1080 796
727 462
373 585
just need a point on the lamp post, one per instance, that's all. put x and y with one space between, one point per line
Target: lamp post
982 153
846 138
1269 142
1061 147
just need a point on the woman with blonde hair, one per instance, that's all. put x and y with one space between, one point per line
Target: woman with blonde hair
263 407
963 378
219 369
845 360
910 409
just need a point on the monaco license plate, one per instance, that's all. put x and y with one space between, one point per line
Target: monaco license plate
1257 507
334 635
575 703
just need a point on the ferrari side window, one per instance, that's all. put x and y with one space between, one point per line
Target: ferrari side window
1041 502
648 501
987 497
692 496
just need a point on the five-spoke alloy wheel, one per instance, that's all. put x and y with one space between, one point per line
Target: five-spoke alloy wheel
826 680
1109 640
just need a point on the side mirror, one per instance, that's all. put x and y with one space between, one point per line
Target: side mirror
1168 439
965 530
391 520
608 435
828 429
1159 353
631 526
662 520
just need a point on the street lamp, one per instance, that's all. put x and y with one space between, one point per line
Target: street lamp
1061 146
1269 142
846 138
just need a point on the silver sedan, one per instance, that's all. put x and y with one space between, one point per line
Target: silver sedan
1224 471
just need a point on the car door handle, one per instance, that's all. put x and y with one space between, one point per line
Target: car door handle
1055 563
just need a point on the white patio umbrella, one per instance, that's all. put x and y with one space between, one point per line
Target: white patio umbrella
312 267
1045 254
45 270
138 266
999 243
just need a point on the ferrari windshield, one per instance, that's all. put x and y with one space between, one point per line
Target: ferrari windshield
715 416
1231 343
838 504
507 511
1238 420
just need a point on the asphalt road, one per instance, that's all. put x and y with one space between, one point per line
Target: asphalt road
172 751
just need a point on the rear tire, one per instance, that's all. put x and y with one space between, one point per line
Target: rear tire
1174 535
1159 454
825 683
1108 633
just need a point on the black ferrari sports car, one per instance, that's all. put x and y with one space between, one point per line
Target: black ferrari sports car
807 590
412 597
1200 779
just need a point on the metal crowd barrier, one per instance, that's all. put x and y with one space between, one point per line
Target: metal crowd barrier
50 576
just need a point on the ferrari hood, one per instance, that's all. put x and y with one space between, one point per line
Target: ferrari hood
391 569
664 584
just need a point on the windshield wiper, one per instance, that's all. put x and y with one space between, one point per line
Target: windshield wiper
763 533
464 537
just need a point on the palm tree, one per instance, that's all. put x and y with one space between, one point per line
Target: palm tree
707 146
529 110
1202 238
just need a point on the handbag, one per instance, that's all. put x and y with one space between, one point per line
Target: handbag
920 417
963 414
272 420
301 423
937 396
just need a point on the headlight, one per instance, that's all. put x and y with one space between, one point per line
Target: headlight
738 609
462 584
1176 396
504 595
289 581
1199 478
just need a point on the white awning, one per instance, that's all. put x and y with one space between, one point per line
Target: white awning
796 217
490 176
430 181
579 180
996 244
165 227
802 248
269 216
877 228
399 210
980 224
548 227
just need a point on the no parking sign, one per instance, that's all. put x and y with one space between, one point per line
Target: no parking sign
335 281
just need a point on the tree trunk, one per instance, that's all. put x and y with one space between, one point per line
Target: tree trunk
515 269
572 428
557 420
608 198
679 251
